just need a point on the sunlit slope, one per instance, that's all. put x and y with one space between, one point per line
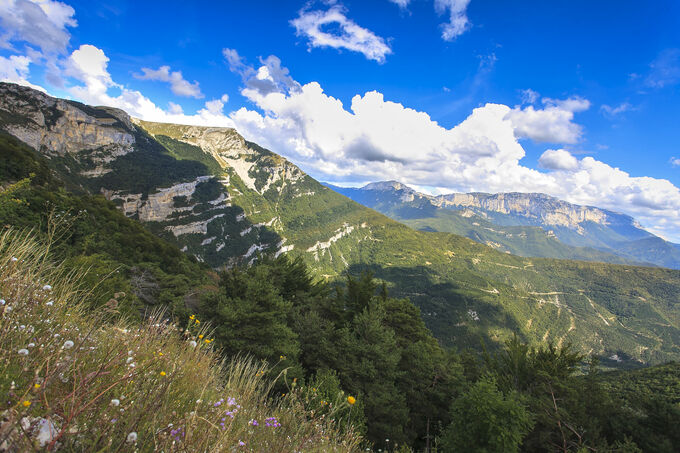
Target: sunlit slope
223 200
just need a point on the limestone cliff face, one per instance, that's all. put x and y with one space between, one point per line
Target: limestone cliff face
540 207
57 127
160 206
103 150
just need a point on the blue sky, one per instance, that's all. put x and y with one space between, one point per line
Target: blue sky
578 99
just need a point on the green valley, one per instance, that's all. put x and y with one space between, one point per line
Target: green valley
224 200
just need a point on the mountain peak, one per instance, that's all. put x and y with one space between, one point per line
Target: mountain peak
387 185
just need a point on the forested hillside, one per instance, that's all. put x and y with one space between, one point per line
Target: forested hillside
334 318
224 200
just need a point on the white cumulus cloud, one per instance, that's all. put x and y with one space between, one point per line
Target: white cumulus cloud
89 66
332 28
41 23
558 159
377 139
551 124
15 69
178 84
458 21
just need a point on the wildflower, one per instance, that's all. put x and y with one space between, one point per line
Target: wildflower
2 302
31 345
14 259
26 403
68 344
192 344
47 288
36 386
272 422
198 322
115 402
241 443
351 400
283 357
207 341
50 303
200 337
160 354
162 373
129 359
192 317
231 401
131 438
23 351
253 422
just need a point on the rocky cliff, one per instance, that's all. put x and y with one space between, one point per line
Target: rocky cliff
528 224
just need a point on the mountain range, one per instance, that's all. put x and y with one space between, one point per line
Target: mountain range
526 224
224 200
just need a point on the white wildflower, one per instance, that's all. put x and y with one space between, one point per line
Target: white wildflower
47 288
14 259
23 351
132 438
48 431
50 303
31 345
192 343
68 344
129 359
2 301
115 402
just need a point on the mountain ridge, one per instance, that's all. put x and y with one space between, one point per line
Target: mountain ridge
573 225
227 212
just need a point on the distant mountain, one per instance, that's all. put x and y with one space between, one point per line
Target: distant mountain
526 224
224 200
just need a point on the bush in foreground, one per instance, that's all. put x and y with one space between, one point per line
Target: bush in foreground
77 380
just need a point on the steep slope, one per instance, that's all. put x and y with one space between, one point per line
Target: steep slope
223 199
523 224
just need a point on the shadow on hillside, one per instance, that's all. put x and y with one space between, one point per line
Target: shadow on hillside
456 316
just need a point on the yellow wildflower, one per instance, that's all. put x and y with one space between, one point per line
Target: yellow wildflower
351 400
192 317
162 373
26 403
200 336
37 386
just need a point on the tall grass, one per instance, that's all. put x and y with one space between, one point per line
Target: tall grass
81 380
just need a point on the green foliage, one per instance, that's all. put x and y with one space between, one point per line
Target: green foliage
150 167
250 315
77 379
90 231
184 151
377 348
487 421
